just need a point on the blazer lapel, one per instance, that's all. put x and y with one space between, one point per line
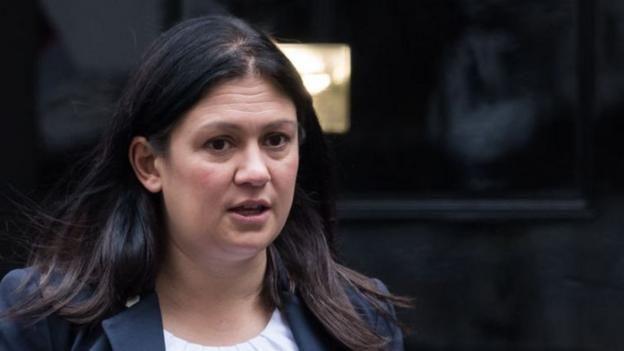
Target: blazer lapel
307 330
137 328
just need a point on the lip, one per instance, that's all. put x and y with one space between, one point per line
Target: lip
243 219
251 202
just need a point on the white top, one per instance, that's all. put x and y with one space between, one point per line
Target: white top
276 336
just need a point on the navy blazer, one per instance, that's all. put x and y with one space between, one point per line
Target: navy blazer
139 327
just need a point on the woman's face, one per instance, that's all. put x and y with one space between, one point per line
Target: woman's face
228 177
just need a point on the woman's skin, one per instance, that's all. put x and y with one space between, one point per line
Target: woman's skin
227 182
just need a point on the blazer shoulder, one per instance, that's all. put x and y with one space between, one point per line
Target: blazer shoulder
16 334
52 332
15 285
385 325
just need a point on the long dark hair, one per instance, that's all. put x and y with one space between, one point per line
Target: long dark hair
104 237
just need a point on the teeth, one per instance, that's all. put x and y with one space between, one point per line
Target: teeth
251 207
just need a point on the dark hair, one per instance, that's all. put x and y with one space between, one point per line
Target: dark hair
104 237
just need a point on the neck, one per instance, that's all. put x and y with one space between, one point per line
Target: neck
184 282
213 303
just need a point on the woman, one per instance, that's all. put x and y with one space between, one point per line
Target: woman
205 218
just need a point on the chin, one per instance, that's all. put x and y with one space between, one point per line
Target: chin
246 249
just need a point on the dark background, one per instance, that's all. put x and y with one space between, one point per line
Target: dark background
481 176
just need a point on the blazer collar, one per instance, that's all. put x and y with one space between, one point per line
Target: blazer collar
139 327
308 332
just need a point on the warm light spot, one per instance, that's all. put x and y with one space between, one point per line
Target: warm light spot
326 73
316 82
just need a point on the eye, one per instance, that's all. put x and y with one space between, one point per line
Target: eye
276 140
218 144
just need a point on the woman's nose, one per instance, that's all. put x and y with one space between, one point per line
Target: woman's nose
252 169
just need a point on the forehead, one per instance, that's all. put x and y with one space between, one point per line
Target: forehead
248 99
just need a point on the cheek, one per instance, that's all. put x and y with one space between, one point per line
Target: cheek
293 168
208 183
198 175
205 178
287 170
286 178
196 191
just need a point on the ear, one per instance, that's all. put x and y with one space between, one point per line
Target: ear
144 160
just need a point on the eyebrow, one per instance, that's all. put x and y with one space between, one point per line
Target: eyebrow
236 127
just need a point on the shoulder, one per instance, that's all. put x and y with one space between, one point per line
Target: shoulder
15 285
384 324
17 334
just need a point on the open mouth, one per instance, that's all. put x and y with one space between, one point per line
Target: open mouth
249 210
